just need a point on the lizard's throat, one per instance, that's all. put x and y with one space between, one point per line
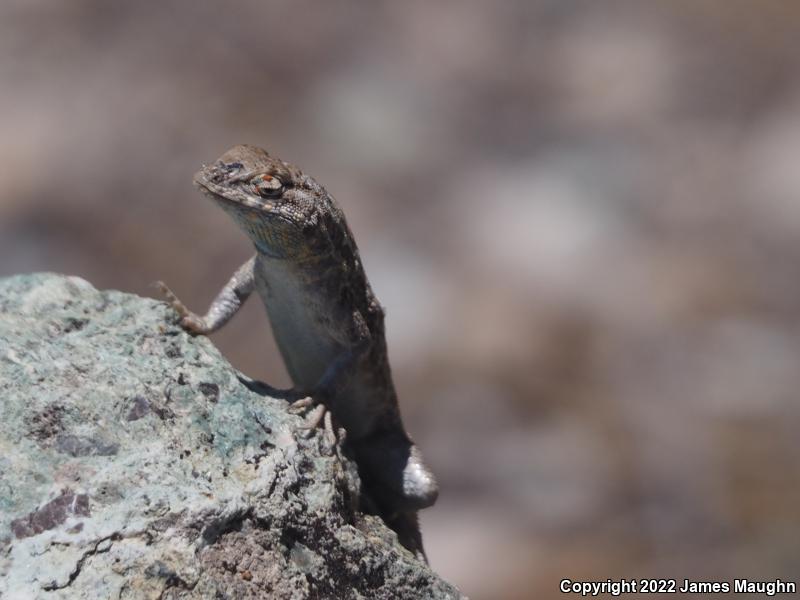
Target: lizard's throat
274 238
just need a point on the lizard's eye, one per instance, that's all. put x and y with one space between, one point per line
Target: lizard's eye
267 186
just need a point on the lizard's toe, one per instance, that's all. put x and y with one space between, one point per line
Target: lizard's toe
171 298
165 291
189 321
194 324
319 417
315 417
300 405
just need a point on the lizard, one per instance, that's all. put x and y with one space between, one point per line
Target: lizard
326 320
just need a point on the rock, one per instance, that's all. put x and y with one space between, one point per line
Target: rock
136 463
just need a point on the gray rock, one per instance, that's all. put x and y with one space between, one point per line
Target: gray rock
134 463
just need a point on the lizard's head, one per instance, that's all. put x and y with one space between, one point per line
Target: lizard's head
270 199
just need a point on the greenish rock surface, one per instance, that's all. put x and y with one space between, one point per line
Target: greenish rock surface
135 463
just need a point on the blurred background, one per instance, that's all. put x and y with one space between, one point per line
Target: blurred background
583 219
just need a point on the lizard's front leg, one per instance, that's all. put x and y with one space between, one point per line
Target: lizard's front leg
227 303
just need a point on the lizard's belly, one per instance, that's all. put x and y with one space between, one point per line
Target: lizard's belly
306 347
311 336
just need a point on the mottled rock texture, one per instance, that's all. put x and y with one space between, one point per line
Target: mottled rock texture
135 463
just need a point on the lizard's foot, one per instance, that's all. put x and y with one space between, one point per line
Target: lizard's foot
189 321
318 415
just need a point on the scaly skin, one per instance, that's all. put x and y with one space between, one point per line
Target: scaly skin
327 322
